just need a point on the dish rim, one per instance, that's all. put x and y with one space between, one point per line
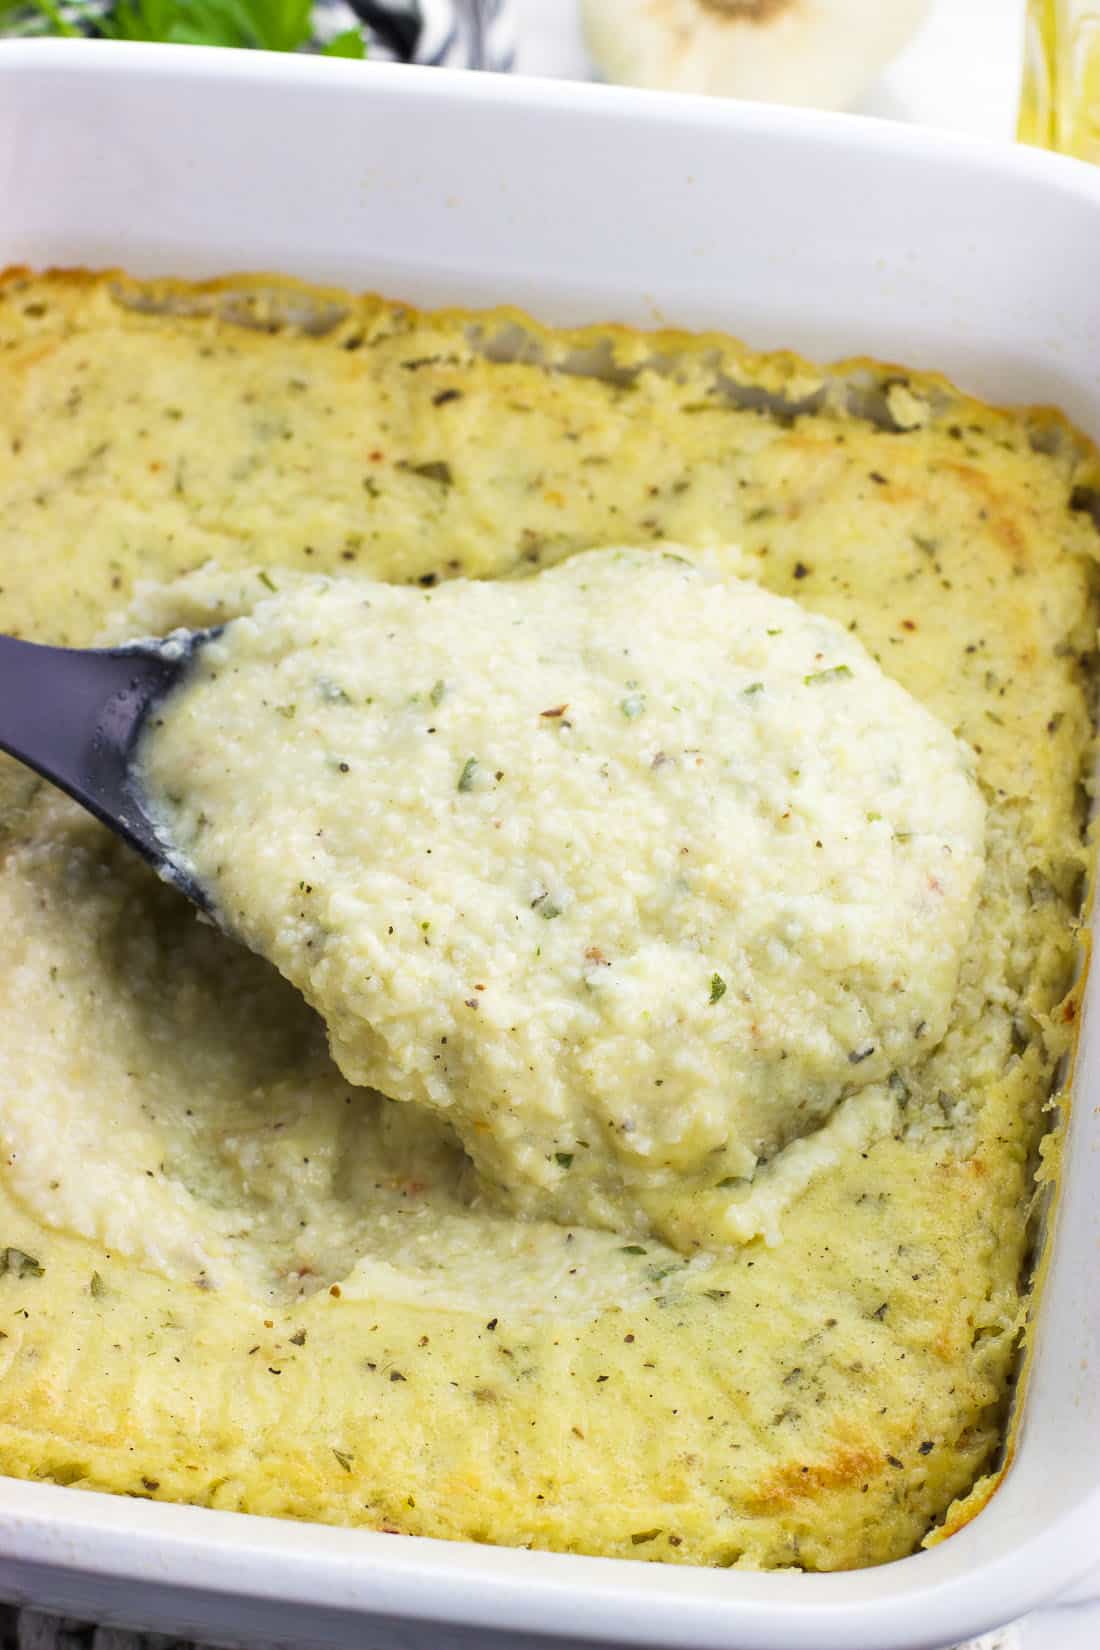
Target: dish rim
936 1592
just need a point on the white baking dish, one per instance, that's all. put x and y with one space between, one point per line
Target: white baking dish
833 235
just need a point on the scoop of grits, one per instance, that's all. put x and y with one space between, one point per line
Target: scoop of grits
634 872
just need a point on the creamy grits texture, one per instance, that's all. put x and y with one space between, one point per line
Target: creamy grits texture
631 871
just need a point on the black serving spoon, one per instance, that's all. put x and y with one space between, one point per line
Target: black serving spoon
75 717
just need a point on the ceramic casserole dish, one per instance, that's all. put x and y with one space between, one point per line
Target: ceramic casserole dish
830 235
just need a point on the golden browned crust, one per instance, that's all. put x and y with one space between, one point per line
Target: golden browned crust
828 1403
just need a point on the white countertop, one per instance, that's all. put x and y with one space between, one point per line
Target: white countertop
961 72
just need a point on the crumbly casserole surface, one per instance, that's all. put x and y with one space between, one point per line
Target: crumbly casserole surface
230 1278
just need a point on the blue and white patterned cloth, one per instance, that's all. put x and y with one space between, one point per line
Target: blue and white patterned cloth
462 34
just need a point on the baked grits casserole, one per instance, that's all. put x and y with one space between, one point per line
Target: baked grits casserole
683 783
230 1276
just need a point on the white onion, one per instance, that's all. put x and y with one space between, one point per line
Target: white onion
823 53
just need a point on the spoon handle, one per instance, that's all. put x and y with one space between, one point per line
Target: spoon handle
73 716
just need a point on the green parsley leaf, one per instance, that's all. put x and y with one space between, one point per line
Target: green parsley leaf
718 988
469 771
348 44
266 25
51 15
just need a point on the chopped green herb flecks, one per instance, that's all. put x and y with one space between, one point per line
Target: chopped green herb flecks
96 1286
468 775
344 1459
331 692
898 1087
633 1249
753 687
565 1159
438 690
836 673
266 580
438 470
18 1264
717 988
633 705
